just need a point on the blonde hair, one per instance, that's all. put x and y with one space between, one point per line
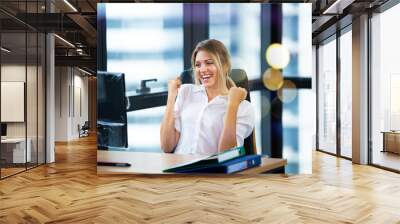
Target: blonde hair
221 58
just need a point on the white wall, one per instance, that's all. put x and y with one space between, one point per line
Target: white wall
61 103
33 126
71 102
15 73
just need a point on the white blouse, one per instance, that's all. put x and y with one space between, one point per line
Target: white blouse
200 122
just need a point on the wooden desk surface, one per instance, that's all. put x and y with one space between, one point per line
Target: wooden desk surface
155 163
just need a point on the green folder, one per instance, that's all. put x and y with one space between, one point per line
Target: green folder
209 160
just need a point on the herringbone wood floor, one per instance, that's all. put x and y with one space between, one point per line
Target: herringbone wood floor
69 191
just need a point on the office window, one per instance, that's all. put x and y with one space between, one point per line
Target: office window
385 89
327 97
346 94
298 113
145 41
238 27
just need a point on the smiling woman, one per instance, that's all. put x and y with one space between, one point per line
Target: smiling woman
210 116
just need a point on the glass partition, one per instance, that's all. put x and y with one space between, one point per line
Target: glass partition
327 97
13 109
31 98
385 89
22 90
346 94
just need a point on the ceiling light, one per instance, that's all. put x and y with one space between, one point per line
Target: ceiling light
65 41
5 50
70 5
331 7
84 71
337 7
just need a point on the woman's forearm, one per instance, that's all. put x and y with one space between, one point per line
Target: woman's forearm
167 131
228 136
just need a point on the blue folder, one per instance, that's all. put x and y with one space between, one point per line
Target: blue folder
231 166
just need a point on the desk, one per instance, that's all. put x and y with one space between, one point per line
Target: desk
155 163
15 148
391 141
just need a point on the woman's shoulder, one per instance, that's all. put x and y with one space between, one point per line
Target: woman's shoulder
245 107
245 104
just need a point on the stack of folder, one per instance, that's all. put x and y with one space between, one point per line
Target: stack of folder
230 161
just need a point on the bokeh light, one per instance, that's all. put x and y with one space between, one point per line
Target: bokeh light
273 79
277 55
288 92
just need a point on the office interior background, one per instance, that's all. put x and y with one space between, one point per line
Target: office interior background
53 43
38 107
54 57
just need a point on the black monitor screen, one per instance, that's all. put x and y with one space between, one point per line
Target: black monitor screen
111 110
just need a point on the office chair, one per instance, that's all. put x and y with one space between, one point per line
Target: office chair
84 129
239 76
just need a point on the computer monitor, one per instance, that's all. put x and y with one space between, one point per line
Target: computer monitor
3 129
111 110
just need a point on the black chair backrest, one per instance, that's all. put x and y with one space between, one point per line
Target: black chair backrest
238 76
86 125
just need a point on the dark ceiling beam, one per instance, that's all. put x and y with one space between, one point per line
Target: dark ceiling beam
49 22
15 18
81 61
91 6
11 25
321 22
64 51
86 27
331 30
79 18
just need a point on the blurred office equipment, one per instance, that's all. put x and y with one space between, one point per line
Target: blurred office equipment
84 129
391 141
143 87
111 110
